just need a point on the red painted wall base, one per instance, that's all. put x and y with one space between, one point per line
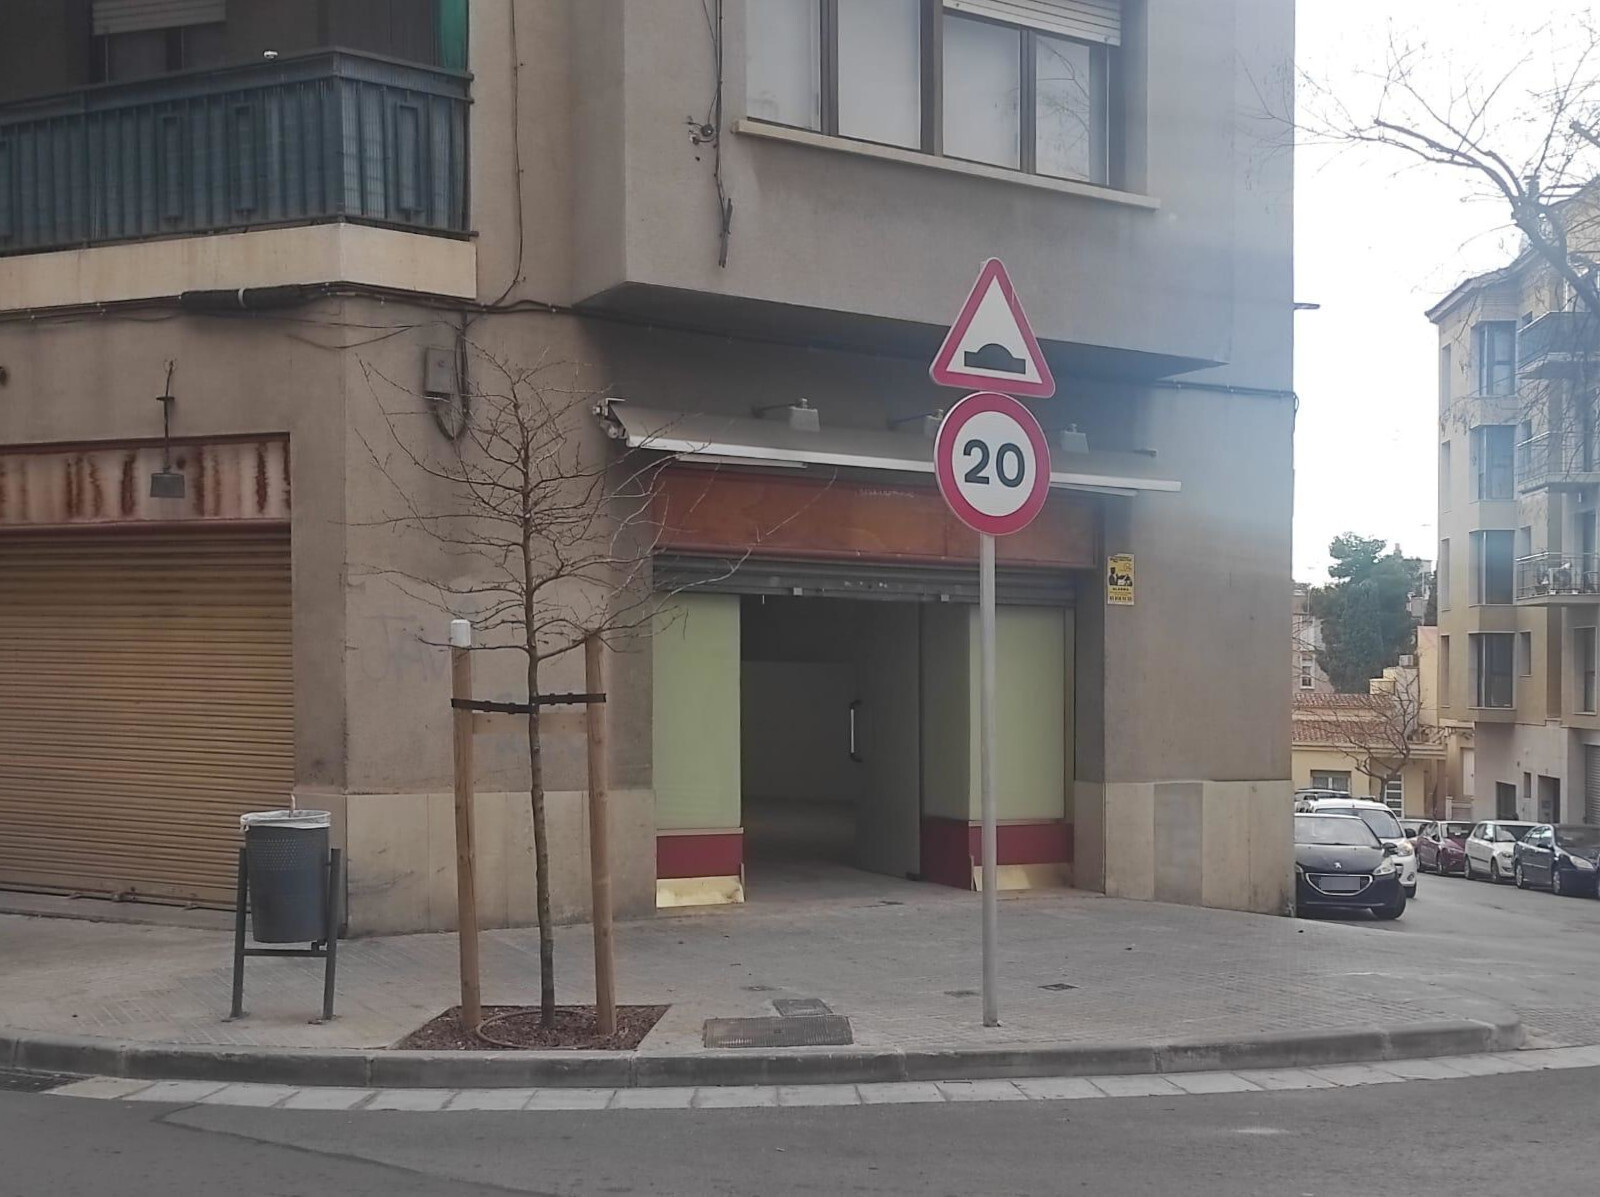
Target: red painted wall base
700 854
950 847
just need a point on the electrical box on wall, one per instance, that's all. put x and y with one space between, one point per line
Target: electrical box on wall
439 372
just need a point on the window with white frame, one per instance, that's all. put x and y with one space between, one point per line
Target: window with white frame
1496 349
1442 575
1331 779
1583 644
1493 568
1494 465
1308 665
1394 795
1492 666
1020 84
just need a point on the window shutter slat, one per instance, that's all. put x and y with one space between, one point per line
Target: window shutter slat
131 16
1087 20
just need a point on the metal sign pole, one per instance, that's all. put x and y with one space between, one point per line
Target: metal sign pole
986 761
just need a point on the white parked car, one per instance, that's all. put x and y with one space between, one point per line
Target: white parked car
1385 826
1490 849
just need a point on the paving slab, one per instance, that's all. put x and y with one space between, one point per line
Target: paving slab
1089 986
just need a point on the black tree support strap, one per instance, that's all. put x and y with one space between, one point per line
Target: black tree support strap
526 708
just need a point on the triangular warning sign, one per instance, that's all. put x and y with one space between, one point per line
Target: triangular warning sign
991 345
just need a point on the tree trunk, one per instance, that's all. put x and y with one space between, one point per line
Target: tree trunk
541 857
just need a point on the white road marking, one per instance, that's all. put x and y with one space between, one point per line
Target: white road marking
1180 1084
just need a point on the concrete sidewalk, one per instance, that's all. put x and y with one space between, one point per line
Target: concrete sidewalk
900 960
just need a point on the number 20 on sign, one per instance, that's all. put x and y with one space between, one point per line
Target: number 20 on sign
993 463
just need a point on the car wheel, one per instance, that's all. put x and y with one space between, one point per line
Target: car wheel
1494 871
1393 910
1516 873
1466 869
1557 886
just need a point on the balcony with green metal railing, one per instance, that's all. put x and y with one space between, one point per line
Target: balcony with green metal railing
1558 345
1558 579
331 135
1558 461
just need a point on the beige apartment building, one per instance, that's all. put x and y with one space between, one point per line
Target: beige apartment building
1518 582
741 229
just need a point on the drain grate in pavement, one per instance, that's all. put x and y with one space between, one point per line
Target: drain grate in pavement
12 1081
1058 987
960 993
820 1030
801 1007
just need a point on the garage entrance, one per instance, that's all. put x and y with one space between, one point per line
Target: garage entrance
145 703
830 761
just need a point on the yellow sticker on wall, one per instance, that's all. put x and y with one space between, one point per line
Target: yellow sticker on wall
1119 580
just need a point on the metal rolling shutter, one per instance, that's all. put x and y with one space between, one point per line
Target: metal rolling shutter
1591 783
1086 20
129 16
146 701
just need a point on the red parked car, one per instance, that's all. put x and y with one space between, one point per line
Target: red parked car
1442 847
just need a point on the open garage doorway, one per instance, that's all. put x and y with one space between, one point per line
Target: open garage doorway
830 742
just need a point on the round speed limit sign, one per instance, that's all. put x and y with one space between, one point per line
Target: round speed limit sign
993 463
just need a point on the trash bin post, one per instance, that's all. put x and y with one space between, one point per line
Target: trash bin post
241 899
331 929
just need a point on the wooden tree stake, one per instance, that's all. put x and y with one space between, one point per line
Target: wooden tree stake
466 862
605 979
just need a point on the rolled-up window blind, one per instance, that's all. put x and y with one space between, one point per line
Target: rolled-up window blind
1087 20
131 16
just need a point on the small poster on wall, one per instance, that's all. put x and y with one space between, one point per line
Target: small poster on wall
1119 580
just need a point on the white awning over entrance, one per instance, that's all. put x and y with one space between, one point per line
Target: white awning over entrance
746 440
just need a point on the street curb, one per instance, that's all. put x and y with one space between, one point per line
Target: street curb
795 1066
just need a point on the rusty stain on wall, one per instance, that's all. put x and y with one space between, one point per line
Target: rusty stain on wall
230 480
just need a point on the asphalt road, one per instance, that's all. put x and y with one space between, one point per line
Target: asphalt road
1419 1138
1526 949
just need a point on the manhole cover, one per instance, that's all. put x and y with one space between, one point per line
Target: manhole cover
823 1030
801 1007
31 1082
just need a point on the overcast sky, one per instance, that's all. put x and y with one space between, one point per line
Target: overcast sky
1377 242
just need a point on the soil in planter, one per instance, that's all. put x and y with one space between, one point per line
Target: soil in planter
517 1028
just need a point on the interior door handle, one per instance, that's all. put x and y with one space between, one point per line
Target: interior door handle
854 754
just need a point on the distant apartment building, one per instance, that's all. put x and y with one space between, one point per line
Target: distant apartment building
1518 571
1386 744
1306 672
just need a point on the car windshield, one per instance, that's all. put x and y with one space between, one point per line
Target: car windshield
1383 824
1510 833
1578 839
1458 831
1333 830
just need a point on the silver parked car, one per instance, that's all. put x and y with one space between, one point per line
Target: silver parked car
1491 847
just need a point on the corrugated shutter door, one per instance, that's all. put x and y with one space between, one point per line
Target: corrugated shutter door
129 16
1087 20
1591 783
146 701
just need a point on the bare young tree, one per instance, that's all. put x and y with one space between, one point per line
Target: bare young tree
543 538
1522 133
1384 736
1525 132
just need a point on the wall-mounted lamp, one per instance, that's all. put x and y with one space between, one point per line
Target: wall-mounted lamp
930 423
167 483
802 417
1070 440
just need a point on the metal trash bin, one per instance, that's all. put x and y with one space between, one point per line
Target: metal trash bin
287 856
